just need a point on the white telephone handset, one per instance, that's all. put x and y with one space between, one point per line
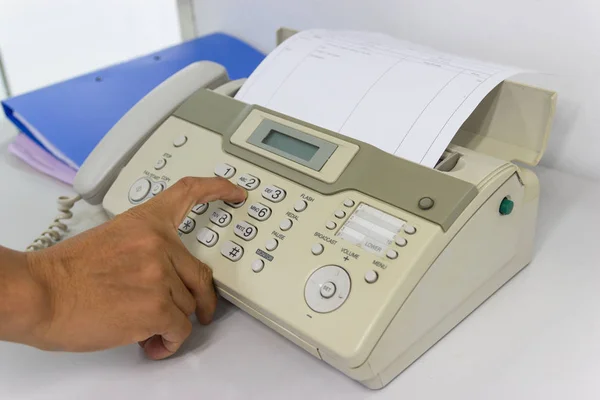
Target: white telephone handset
126 137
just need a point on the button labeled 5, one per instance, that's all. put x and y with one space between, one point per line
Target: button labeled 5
220 217
245 230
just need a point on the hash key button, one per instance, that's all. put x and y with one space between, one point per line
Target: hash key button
232 251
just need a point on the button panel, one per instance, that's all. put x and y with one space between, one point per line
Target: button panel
232 250
224 171
322 283
220 217
245 230
274 194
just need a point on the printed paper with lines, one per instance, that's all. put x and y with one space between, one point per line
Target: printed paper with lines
402 98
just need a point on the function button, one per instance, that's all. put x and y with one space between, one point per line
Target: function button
236 205
245 230
300 206
258 265
371 276
271 244
327 290
207 237
286 224
349 203
273 193
400 241
340 214
330 225
187 225
317 249
157 188
248 181
392 254
200 208
224 171
426 203
232 250
410 229
139 189
160 163
220 217
259 211
180 141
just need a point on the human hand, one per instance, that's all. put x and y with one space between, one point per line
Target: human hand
130 279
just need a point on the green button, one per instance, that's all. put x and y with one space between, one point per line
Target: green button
506 206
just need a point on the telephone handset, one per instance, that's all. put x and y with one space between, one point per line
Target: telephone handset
102 166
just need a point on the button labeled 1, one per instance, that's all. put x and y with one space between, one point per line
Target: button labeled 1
224 171
245 230
273 193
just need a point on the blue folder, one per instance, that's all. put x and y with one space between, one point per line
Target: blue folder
71 117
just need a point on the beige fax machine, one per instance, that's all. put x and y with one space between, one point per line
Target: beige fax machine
363 259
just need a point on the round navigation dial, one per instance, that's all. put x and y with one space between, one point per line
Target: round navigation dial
327 289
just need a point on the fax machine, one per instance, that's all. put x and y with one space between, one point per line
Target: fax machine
363 259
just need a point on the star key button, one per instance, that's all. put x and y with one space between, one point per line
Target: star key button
187 225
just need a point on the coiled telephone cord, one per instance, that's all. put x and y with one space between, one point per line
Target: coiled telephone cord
58 228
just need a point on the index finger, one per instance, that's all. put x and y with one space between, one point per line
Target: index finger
176 202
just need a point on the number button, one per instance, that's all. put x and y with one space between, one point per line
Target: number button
200 208
248 181
220 217
187 225
274 194
224 170
236 205
207 237
259 211
245 230
232 251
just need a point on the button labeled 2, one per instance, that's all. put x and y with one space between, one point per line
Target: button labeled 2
248 181
220 217
245 230
273 193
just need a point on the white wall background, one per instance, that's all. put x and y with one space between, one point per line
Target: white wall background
561 39
47 41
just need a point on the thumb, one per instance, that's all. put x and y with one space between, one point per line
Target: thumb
175 203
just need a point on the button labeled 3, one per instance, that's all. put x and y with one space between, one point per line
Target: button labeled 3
207 237
245 230
273 193
220 217
232 250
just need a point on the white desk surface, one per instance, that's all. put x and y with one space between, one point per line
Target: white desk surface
537 338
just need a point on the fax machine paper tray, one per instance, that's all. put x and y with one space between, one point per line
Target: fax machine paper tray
512 123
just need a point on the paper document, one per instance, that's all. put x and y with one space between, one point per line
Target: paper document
405 99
